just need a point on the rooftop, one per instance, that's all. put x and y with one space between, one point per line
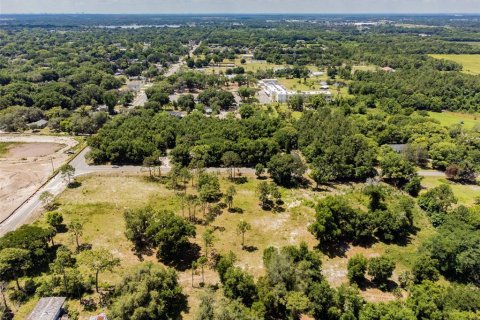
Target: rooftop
47 309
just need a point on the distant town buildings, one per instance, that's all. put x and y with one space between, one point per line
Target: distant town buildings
278 93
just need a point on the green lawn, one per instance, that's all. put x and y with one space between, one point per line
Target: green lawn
369 67
470 62
465 193
450 118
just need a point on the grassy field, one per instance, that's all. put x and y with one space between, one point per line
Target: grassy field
101 200
470 62
450 118
465 193
369 67
5 146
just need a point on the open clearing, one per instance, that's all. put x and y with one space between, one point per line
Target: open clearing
465 193
448 118
470 62
26 165
102 198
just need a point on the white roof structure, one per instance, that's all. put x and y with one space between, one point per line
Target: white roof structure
279 93
47 309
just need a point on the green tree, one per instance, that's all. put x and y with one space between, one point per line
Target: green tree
380 269
32 238
246 111
334 221
202 262
208 238
46 198
285 167
185 175
231 160
170 233
152 162
296 102
396 169
54 219
186 102
357 266
111 99
287 138
206 309
242 228
98 260
64 259
67 172
297 303
76 227
425 268
208 186
437 202
321 175
263 192
390 311
259 170
14 263
231 192
143 290
240 285
246 94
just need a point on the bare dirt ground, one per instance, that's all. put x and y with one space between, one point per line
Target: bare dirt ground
27 165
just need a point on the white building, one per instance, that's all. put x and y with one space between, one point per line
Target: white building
278 93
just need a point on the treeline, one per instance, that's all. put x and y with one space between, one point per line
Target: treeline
338 142
421 89
129 139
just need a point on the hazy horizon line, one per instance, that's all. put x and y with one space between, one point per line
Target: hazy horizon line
251 13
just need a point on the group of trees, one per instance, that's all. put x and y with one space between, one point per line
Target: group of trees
379 268
163 230
294 286
338 221
25 254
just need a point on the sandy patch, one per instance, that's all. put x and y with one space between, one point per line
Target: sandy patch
27 166
29 150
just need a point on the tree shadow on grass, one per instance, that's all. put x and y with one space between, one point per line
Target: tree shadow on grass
74 184
235 210
184 258
219 228
142 251
239 180
334 250
84 247
250 248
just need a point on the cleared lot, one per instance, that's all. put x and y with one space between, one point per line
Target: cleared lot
26 165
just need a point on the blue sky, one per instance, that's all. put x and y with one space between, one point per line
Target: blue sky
240 6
